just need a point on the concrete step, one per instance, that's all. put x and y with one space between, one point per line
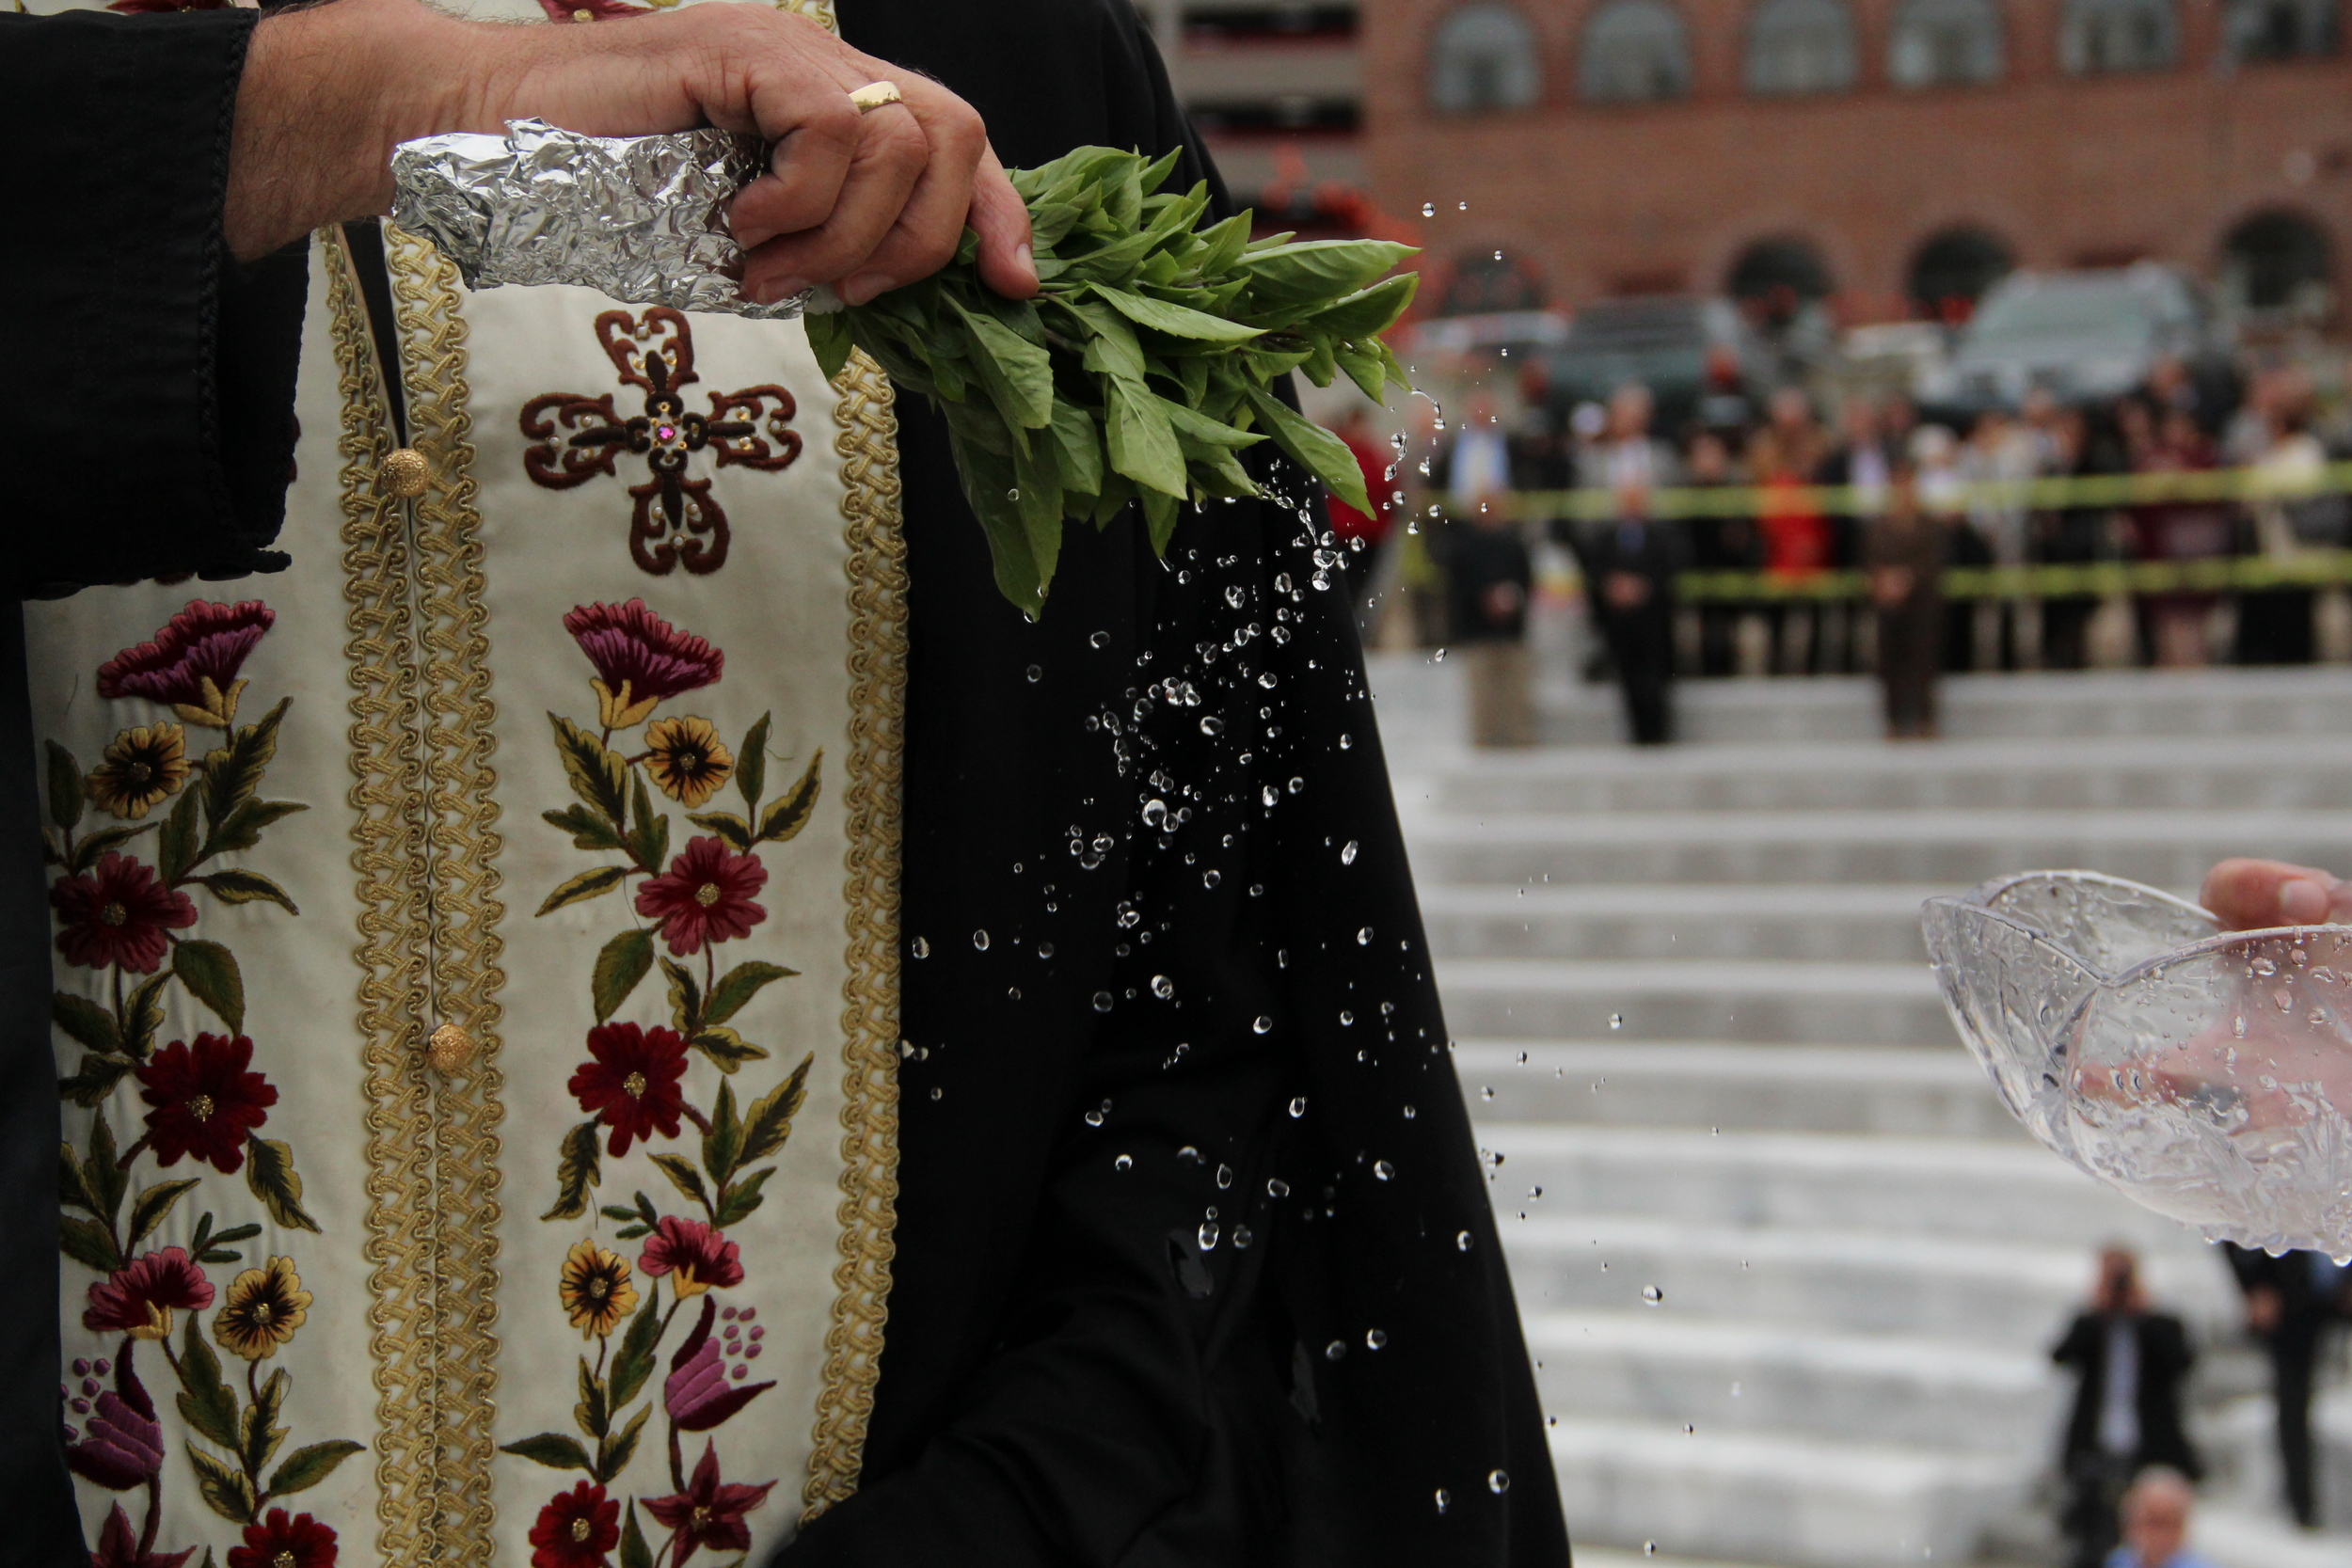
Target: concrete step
1861 924
1721 1377
1775 1498
1830 1003
2230 773
1620 1083
1428 705
2014 1294
1956 849
1942 1187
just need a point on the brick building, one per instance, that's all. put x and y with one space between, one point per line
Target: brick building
1893 155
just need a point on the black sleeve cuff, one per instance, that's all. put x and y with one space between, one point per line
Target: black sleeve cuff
148 423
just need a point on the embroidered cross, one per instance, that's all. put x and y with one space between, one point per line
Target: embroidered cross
675 521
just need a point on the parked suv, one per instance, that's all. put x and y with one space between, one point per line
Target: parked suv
2083 337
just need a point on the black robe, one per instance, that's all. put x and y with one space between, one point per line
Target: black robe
1195 1263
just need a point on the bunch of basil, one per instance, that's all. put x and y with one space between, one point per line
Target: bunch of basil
1141 368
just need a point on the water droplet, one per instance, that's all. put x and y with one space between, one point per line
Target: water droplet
1123 1163
1437 657
1210 878
1241 1237
1234 597
1376 1338
1265 678
1653 1295
1102 1002
1094 1118
1276 1187
2264 966
1298 1106
1363 937
1035 673
1498 1482
1099 640
1208 1235
1347 853
1445 1500
920 948
1461 206
979 941
1262 1026
1162 987
1616 1021
1333 1351
1044 949
1268 795
1189 1155
1346 1017
1211 725
1429 209
1015 495
1297 784
1463 1240
1346 741
937 1092
1384 1170
1224 1175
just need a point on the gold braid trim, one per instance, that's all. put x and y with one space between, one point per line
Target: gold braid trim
869 446
463 845
388 855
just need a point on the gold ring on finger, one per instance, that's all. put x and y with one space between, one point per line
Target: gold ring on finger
875 95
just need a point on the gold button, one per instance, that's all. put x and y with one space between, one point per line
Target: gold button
449 1048
402 473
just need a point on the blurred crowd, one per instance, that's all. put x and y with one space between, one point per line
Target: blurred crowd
1866 575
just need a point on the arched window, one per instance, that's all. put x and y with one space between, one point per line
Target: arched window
2118 34
1634 52
2281 29
2278 262
1481 282
1484 57
1796 46
1952 270
1939 42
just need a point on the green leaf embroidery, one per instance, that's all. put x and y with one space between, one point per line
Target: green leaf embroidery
649 830
789 812
723 1145
769 1122
206 1402
620 965
307 1466
243 829
72 1190
589 831
67 800
223 1487
269 1173
614 1452
597 774
232 774
247 887
217 1250
87 1244
686 998
750 765
143 1014
726 1049
101 1172
577 1169
263 1434
633 1362
590 1412
210 972
738 1200
155 1204
587 886
738 985
175 850
84 1021
684 1177
91 848
732 830
634 1552
552 1448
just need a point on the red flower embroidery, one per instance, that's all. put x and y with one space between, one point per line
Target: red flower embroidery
117 914
139 1298
193 663
632 1085
640 659
205 1101
709 1512
279 1542
703 1259
576 1530
705 896
119 1546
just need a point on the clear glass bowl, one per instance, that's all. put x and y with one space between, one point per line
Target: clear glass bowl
2205 1073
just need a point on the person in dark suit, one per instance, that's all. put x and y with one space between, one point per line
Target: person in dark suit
1629 566
2290 1300
2129 1362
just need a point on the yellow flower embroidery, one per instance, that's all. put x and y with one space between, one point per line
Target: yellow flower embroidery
141 767
264 1306
687 759
596 1290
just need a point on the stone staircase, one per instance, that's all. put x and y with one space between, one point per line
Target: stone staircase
1787 1270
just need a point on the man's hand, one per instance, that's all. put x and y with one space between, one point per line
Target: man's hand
2250 895
865 203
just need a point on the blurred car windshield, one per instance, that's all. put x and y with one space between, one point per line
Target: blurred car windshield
2118 309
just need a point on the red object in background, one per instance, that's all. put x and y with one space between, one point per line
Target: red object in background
1348 523
1796 537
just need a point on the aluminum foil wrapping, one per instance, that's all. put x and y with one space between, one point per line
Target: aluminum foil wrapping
640 218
